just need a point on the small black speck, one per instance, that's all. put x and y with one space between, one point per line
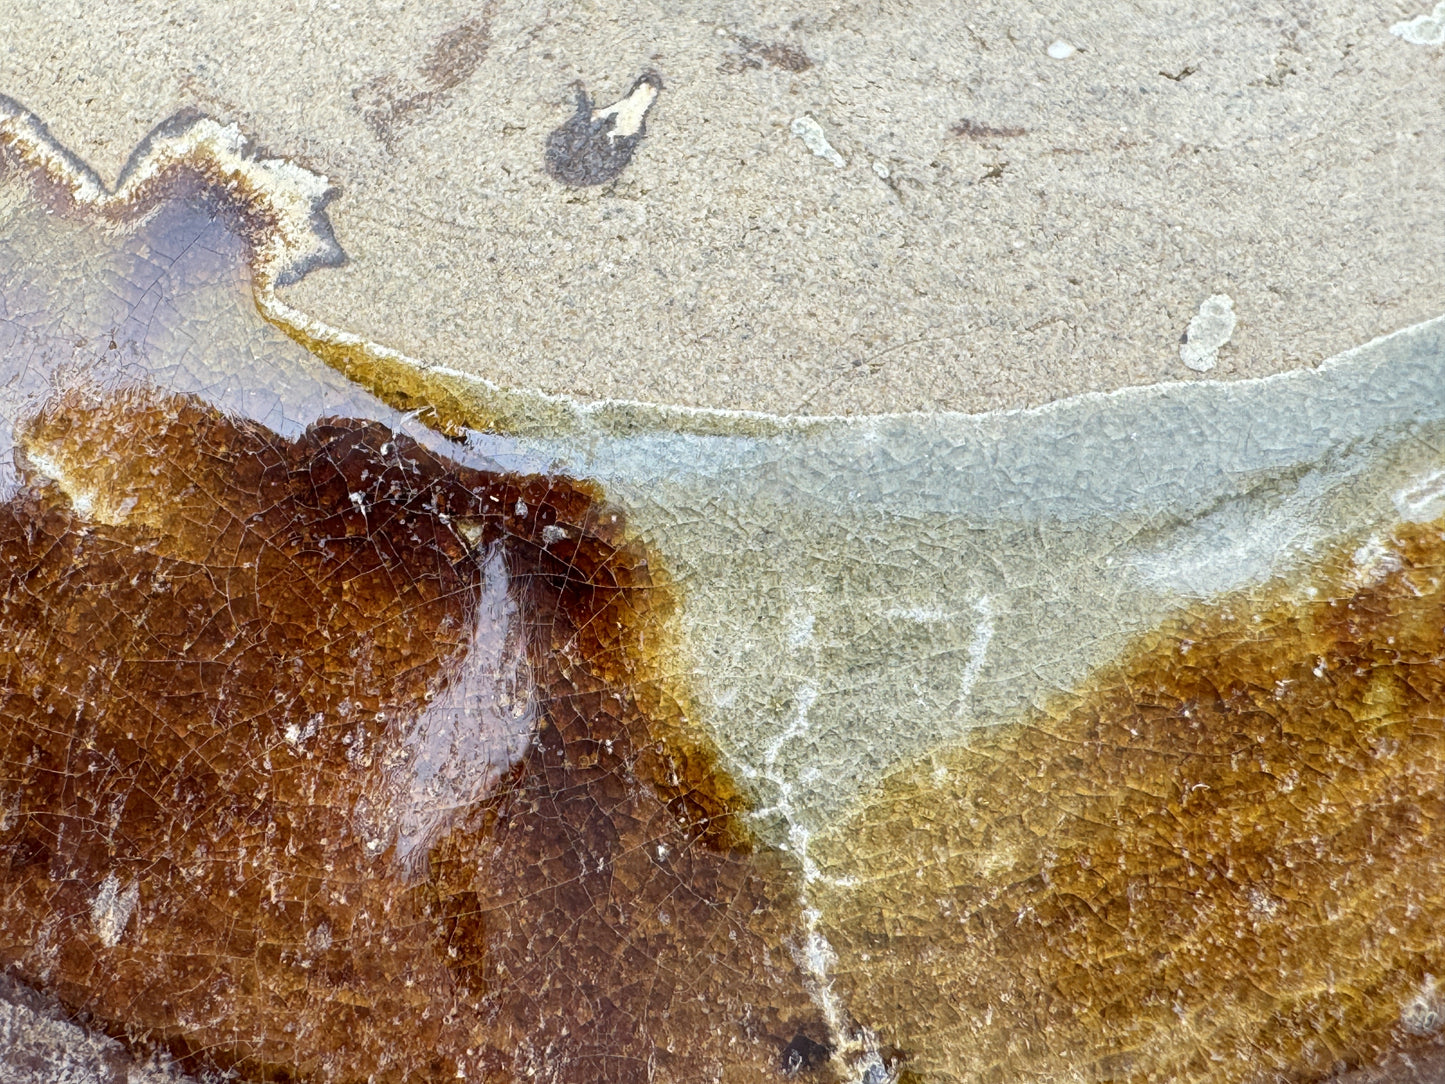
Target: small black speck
803 1054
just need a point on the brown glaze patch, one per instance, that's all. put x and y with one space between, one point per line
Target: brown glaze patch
1224 860
215 646
390 104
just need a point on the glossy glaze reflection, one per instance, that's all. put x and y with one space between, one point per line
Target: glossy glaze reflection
224 827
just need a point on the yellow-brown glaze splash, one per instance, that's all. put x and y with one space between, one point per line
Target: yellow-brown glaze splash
267 801
1222 861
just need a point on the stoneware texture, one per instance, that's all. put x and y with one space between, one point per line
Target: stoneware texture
1005 227
379 605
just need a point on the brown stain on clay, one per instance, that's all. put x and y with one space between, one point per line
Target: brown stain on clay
390 104
1221 861
780 55
972 129
213 645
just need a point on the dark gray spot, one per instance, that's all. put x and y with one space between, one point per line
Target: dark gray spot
595 145
969 128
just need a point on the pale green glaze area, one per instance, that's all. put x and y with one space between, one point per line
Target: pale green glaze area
860 590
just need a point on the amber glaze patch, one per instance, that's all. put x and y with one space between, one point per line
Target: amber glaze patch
214 645
1222 861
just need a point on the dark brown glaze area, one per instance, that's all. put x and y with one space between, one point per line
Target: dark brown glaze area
213 642
1224 860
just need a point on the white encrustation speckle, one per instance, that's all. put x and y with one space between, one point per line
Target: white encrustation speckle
1261 903
295 734
552 533
811 133
628 114
1373 561
799 629
320 939
1207 332
471 530
1423 29
1423 499
521 509
81 498
1424 1014
880 169
923 615
111 909
1061 49
977 646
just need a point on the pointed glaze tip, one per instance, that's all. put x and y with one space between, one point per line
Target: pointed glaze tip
281 205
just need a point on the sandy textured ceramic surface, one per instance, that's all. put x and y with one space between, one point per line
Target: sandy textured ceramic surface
1009 228
366 720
